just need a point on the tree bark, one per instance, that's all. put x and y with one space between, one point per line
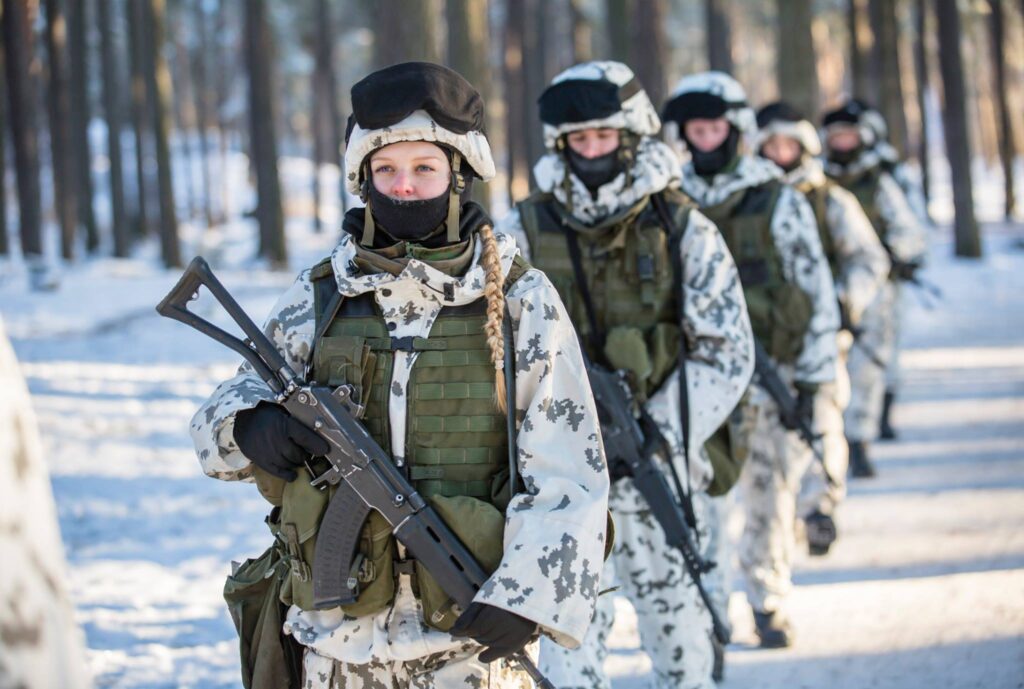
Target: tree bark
618 21
516 101
468 49
649 47
21 99
719 35
582 33
80 114
797 67
62 167
861 42
137 41
404 30
202 106
158 84
997 25
921 71
112 113
954 117
885 27
262 136
5 248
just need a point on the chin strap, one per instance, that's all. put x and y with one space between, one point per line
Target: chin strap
458 186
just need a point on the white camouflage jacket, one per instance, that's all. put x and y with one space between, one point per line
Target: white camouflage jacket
721 360
863 263
906 236
796 238
554 532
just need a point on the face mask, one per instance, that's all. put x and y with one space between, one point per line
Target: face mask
712 162
595 172
409 221
844 157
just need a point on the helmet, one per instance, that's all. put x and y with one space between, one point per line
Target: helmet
780 118
710 95
858 114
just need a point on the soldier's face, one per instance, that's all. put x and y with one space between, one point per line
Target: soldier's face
593 143
411 170
706 135
782 150
843 139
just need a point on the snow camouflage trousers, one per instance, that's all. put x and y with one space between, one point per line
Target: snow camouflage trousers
832 399
868 381
769 485
456 669
674 625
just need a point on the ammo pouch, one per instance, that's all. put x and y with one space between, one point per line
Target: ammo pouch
270 659
780 318
726 461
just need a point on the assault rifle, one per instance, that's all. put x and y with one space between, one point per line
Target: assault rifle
625 442
769 379
906 271
363 472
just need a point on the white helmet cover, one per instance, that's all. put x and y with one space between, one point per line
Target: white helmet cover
728 98
869 123
614 100
782 120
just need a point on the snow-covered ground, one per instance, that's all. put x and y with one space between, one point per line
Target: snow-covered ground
925 589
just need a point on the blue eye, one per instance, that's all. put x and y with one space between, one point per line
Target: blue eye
382 169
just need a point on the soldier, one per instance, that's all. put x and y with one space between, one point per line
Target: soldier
769 228
606 225
425 286
41 644
859 267
850 133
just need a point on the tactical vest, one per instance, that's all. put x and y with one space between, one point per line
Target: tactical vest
817 196
456 443
629 276
865 188
780 312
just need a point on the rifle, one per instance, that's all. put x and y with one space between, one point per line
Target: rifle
363 472
906 271
626 442
769 379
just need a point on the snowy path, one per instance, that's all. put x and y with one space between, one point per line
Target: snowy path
925 589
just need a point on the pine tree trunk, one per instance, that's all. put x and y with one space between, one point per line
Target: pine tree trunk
80 114
1006 148
5 248
405 30
112 112
582 33
516 101
618 21
184 117
137 41
21 99
921 70
890 96
954 117
536 72
262 138
64 198
719 35
649 47
202 107
797 67
861 42
158 85
468 47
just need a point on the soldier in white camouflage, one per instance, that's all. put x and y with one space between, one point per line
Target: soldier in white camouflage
600 186
860 268
41 646
409 310
856 159
770 229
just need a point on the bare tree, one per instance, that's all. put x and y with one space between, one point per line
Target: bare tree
112 113
64 197
954 117
618 21
80 113
202 105
582 32
405 30
997 25
719 35
862 41
4 245
468 54
922 77
263 136
137 42
326 116
885 27
797 67
21 99
516 100
649 51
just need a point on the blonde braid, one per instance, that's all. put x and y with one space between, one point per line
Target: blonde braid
494 292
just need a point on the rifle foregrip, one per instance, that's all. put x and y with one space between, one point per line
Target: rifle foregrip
342 525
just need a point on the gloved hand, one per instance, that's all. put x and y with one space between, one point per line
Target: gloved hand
903 270
805 407
275 441
501 631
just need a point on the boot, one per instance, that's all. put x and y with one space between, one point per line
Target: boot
718 669
885 429
821 532
773 629
860 465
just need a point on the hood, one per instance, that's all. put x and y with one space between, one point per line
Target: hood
750 171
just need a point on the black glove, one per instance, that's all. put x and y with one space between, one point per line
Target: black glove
803 411
501 631
275 441
903 270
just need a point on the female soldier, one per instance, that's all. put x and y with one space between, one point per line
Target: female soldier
409 310
770 230
609 227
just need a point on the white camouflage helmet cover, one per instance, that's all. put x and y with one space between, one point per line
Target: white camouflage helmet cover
869 122
738 112
635 114
780 119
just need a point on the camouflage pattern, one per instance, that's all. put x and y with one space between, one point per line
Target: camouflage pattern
41 646
676 627
554 531
908 177
720 549
454 669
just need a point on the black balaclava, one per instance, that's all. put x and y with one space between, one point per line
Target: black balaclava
412 220
710 163
844 158
595 172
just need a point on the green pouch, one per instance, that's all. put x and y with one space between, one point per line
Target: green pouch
271 487
664 349
270 659
345 360
625 349
791 316
726 460
481 528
